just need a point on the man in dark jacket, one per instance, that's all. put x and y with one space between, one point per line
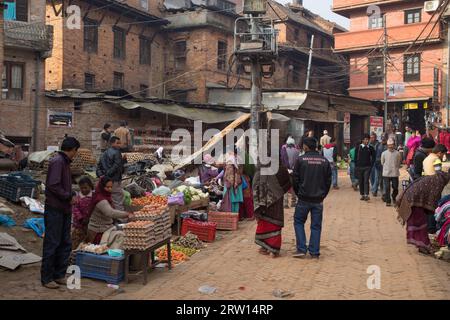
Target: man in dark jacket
105 136
111 165
58 216
425 149
364 161
312 182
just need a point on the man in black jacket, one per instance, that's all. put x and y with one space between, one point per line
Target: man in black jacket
364 161
312 182
426 146
111 165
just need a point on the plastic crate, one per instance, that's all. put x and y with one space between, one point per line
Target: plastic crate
16 185
101 267
225 220
205 231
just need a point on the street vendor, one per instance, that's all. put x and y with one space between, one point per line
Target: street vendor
207 171
180 177
101 228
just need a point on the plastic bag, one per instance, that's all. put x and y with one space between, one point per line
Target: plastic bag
177 199
196 215
161 191
37 225
126 198
7 221
34 205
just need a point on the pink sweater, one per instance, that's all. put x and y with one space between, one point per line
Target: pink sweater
80 211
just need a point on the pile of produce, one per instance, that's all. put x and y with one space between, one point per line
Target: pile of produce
177 256
92 248
189 240
187 251
190 194
160 201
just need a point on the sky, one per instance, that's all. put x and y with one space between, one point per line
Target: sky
323 8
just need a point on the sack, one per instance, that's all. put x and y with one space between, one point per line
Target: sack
37 225
161 191
176 200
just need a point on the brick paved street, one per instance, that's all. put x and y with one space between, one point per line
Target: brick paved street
356 235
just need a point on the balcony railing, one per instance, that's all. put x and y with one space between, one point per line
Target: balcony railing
399 35
28 35
339 5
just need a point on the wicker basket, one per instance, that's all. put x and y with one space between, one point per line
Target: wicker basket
225 220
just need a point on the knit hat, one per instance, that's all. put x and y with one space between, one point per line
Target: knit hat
290 140
428 143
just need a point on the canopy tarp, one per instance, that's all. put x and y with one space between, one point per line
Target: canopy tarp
202 114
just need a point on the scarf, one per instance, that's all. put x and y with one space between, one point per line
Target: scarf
100 194
424 192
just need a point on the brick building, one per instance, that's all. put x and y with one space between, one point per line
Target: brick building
25 42
415 63
117 47
296 26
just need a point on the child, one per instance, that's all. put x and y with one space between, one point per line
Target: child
80 211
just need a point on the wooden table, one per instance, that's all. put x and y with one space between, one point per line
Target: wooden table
145 257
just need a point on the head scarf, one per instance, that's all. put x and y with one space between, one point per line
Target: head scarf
290 141
208 159
160 151
100 194
424 192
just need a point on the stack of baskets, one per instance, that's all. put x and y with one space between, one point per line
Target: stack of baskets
83 159
133 157
139 235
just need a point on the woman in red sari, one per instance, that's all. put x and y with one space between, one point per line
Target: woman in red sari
268 191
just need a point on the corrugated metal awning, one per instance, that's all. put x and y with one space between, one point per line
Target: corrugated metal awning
202 114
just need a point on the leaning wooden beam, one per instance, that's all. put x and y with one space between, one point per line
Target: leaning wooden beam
213 140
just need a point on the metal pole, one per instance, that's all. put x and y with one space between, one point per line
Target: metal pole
385 49
309 62
36 102
256 94
447 91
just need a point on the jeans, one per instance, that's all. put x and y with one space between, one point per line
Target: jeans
334 175
353 174
301 214
376 178
363 178
57 245
388 181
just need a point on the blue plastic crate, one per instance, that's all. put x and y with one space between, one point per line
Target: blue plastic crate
101 267
13 189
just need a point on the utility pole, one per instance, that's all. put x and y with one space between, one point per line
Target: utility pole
256 94
309 62
385 53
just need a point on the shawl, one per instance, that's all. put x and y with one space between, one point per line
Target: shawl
100 194
267 191
414 142
424 192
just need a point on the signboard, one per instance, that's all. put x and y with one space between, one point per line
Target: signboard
395 88
60 119
255 6
347 139
411 106
376 126
436 86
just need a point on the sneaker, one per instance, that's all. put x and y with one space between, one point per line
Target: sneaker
299 255
367 198
61 281
314 256
51 285
363 198
355 187
388 204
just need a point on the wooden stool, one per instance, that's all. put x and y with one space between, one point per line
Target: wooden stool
145 257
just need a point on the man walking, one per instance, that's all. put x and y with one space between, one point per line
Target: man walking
391 160
104 137
111 165
289 155
364 161
329 151
58 216
375 173
123 133
312 181
325 139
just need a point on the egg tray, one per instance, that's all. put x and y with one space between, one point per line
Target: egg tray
129 242
139 224
139 234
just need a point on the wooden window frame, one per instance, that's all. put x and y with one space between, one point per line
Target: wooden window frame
86 76
371 79
119 43
7 65
222 55
380 22
180 56
122 77
90 26
145 50
413 12
23 16
414 76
